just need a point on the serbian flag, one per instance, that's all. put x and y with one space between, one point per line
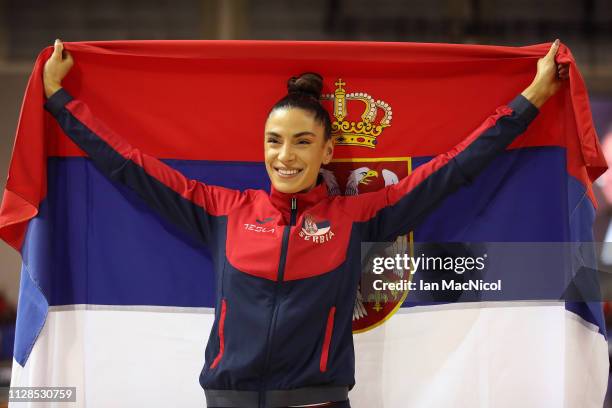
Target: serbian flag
117 302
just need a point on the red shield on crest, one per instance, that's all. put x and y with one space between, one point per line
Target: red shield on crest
357 176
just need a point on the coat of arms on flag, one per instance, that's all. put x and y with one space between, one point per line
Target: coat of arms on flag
357 176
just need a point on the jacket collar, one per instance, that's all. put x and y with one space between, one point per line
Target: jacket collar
282 201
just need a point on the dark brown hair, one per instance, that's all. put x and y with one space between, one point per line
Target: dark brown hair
304 92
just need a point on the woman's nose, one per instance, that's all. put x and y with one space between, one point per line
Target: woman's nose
286 153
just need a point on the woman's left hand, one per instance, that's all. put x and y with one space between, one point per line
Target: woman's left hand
548 79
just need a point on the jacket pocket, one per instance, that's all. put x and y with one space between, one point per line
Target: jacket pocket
220 334
327 340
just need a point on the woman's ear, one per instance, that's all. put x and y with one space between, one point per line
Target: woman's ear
329 151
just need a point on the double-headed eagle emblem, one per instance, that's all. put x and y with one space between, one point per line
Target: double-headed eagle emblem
364 176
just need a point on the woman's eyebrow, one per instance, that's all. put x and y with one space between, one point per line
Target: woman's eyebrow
304 133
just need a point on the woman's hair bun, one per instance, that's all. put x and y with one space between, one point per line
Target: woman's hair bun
309 83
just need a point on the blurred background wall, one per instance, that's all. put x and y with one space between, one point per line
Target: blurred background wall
27 26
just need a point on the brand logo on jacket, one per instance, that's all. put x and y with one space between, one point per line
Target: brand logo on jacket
258 228
264 221
317 232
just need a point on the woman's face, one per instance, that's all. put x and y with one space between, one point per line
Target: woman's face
294 149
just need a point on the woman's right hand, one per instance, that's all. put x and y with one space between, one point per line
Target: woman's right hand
56 68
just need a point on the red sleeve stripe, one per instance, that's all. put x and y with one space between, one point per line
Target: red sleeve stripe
191 190
422 172
370 203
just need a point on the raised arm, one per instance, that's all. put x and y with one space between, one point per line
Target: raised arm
395 210
189 204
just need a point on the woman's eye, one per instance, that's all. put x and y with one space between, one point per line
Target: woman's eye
272 140
304 142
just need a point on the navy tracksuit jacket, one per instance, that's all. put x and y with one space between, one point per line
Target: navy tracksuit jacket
287 265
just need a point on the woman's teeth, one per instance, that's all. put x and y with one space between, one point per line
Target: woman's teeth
288 173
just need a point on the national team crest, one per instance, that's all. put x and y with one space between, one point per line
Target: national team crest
316 231
358 176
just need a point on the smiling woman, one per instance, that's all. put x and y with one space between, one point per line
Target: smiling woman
288 262
298 136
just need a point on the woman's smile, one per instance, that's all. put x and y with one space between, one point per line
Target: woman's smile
287 173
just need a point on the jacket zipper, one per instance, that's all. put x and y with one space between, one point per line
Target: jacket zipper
280 275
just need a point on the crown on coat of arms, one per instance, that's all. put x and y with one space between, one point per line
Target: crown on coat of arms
365 132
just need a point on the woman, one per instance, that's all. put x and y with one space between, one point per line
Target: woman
288 263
